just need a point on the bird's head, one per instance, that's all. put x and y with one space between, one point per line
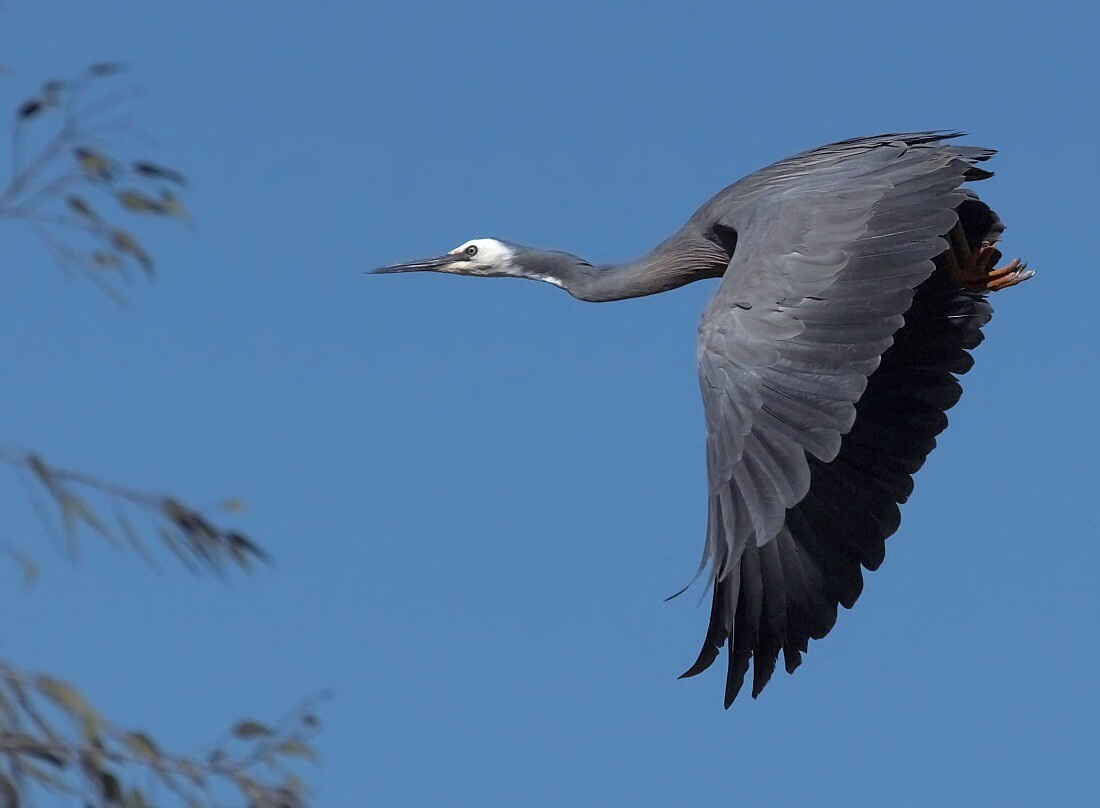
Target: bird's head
491 258
485 257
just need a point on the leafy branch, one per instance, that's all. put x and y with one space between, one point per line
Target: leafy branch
60 190
53 739
192 537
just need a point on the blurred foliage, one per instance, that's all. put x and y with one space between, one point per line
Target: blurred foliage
71 190
73 501
52 740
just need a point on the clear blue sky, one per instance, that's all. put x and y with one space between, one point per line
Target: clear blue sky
478 492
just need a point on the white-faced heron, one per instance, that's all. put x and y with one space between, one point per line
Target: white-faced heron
854 281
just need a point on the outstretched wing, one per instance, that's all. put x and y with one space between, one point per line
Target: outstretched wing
814 422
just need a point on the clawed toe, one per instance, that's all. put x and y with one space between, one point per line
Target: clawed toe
1014 272
977 271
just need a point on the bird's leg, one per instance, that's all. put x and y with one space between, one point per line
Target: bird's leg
975 269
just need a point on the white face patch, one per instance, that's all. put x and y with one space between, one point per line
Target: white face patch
484 256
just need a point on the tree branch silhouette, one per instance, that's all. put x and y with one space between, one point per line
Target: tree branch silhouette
70 190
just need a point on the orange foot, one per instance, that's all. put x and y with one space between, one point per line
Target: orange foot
979 274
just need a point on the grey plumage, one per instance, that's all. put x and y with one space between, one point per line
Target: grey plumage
827 359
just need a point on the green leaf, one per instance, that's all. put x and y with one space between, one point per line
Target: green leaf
94 164
170 204
22 744
141 745
102 258
109 787
138 202
174 510
248 729
106 69
296 786
65 696
60 693
126 243
295 747
233 505
150 169
31 107
241 547
84 210
191 770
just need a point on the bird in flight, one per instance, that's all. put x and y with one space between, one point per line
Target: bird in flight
854 285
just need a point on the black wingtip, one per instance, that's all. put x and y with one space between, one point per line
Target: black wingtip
733 687
682 591
792 658
763 666
705 660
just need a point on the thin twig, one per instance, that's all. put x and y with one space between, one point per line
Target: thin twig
23 460
104 103
64 255
47 218
52 148
51 189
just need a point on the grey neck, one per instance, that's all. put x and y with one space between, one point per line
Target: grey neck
667 267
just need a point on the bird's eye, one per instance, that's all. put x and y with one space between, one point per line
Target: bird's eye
471 250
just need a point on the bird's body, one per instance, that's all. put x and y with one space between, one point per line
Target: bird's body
853 285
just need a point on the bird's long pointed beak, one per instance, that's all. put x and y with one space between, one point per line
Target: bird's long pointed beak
426 265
